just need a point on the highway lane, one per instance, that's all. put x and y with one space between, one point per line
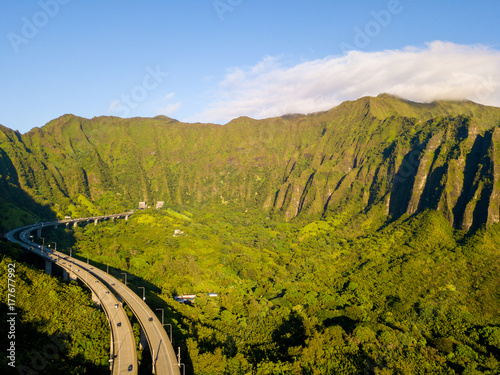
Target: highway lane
164 358
123 351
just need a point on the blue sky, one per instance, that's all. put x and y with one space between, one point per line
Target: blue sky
214 60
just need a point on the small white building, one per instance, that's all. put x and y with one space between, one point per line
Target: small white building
159 204
178 232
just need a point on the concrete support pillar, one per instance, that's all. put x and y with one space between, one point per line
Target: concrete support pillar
39 232
67 225
65 275
55 226
95 299
48 267
143 343
126 217
96 221
75 224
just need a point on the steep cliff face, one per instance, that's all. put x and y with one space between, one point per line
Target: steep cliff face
375 156
452 171
17 206
403 165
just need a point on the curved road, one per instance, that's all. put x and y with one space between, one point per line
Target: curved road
123 348
164 358
124 351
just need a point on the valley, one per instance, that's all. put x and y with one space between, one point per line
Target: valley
363 239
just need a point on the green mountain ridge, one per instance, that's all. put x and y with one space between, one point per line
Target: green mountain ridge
336 241
375 157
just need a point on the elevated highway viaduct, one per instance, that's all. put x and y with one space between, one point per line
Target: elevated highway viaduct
163 356
123 351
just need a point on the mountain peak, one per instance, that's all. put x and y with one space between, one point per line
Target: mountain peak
386 105
358 155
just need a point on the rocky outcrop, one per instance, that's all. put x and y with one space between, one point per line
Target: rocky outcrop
448 164
454 172
377 157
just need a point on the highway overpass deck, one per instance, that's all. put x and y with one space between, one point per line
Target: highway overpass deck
123 351
162 352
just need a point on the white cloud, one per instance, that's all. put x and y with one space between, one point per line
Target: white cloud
169 96
167 108
440 70
115 105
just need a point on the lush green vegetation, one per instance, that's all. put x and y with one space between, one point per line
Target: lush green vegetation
356 158
361 240
312 298
58 329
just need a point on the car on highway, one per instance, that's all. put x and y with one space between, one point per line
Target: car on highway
130 368
119 324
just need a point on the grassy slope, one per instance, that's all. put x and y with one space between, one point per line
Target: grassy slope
292 297
413 295
56 317
289 165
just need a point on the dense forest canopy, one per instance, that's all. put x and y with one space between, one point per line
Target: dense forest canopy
415 296
359 240
378 156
